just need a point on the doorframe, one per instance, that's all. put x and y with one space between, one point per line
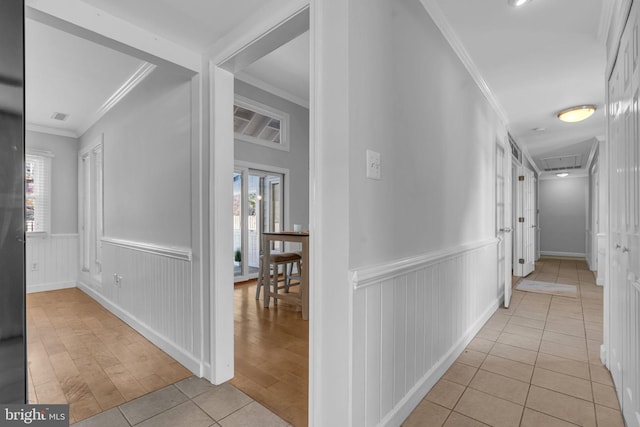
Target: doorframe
250 43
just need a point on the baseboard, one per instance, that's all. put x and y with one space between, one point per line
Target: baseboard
564 254
186 359
44 287
414 396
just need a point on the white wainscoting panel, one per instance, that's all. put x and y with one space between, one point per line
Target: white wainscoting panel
51 262
150 288
411 320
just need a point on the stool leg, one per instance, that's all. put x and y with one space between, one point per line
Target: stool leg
274 282
259 285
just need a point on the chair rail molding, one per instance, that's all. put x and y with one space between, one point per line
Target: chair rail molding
366 276
183 254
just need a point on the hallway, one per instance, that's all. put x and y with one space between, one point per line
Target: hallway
534 364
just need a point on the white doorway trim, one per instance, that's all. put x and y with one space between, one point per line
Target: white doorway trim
248 44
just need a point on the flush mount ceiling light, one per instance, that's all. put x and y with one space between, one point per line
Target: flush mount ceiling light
577 113
516 3
562 175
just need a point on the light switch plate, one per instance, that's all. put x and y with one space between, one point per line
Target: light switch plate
373 164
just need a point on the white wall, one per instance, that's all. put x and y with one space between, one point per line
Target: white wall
414 102
422 237
296 159
147 245
147 162
64 178
52 260
563 215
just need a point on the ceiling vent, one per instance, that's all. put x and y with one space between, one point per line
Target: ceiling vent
562 162
59 116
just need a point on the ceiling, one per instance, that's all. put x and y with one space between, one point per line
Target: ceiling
536 60
71 75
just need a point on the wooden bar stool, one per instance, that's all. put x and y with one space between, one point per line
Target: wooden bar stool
286 260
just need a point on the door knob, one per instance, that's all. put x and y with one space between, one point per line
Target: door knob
625 250
617 246
506 229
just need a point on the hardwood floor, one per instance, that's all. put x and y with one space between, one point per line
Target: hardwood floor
81 354
271 354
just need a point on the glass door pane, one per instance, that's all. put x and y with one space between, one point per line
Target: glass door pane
237 224
254 227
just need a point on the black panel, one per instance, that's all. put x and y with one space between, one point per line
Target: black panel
12 250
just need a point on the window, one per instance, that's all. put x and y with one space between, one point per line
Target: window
259 124
37 192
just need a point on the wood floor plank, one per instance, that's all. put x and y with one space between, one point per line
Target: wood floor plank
271 354
81 354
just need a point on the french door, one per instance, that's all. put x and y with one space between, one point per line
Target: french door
258 206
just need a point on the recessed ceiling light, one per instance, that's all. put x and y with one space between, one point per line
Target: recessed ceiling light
577 113
562 175
516 3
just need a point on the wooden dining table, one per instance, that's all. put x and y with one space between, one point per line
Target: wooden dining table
302 298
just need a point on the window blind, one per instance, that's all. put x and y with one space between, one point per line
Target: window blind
37 193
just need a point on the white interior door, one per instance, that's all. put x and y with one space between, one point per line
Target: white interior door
525 226
503 220
624 297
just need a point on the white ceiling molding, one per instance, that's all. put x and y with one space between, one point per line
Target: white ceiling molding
525 152
73 16
255 27
592 153
433 9
50 130
253 81
136 78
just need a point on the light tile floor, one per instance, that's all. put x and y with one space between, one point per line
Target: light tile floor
532 365
192 402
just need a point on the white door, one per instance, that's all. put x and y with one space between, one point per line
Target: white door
503 220
624 154
525 226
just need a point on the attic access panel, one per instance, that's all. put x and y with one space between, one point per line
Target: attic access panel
562 162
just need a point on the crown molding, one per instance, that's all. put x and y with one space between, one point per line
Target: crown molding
433 9
50 130
136 78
